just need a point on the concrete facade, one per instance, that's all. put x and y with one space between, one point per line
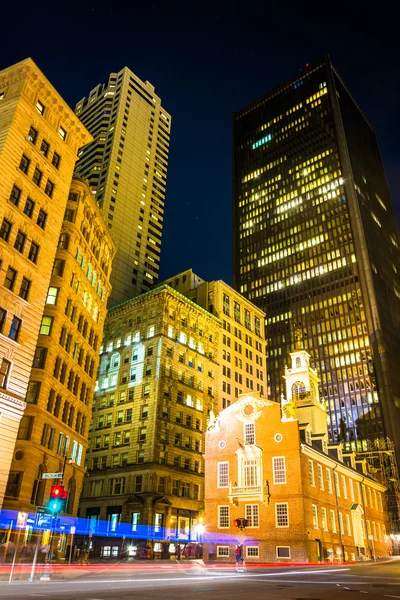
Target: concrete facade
39 141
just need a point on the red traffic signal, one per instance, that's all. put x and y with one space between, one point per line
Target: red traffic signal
57 491
241 523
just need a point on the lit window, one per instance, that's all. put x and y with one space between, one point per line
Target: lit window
45 327
279 469
62 133
40 107
223 474
223 517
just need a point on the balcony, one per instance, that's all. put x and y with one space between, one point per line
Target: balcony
239 493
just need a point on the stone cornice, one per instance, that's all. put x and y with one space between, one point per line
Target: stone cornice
11 404
27 71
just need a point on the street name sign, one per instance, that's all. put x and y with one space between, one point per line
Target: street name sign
52 476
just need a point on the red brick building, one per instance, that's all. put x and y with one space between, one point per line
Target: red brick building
305 499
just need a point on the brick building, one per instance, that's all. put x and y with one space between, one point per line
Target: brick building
39 140
305 499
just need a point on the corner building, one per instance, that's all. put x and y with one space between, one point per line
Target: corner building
126 166
53 434
157 385
39 141
305 500
316 246
241 351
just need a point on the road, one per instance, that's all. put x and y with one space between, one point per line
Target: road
183 582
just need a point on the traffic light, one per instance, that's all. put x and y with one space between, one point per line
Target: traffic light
241 523
58 499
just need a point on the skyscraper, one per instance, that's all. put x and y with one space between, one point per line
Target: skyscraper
39 141
126 165
316 246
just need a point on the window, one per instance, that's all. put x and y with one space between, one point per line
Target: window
3 316
46 324
40 107
5 230
249 433
25 288
341 526
344 486
329 481
62 133
24 164
223 517
279 469
55 161
144 412
32 392
39 359
25 428
117 485
324 519
348 526
222 551
52 295
252 514
44 148
15 195
63 241
29 207
333 521
252 552
20 241
282 514
10 279
135 520
37 176
320 477
250 473
283 552
223 474
315 516
13 484
15 329
49 188
69 215
34 252
58 267
311 473
5 369
42 218
337 484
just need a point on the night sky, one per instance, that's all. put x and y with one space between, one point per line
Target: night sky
207 60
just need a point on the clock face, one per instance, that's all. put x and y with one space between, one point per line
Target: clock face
248 410
222 444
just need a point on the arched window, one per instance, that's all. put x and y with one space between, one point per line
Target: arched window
298 362
63 242
298 390
39 486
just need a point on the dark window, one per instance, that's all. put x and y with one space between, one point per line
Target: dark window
5 368
15 195
29 207
58 267
73 197
3 316
44 148
55 161
25 288
37 176
34 252
69 215
25 428
40 107
10 279
5 230
15 329
24 164
63 242
42 218
20 241
39 360
49 189
32 135
32 392
13 484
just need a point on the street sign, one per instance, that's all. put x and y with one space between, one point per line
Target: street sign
52 476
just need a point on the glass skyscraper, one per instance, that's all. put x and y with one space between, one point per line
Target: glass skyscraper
316 246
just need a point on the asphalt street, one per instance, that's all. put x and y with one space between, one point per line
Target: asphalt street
368 581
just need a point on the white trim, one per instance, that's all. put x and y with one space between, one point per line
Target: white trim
219 516
253 555
222 462
222 555
273 469
276 515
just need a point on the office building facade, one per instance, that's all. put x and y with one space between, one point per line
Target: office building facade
39 141
157 384
316 246
53 434
241 352
126 165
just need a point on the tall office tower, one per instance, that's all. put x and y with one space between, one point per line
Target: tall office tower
316 245
241 352
156 387
39 140
53 434
126 165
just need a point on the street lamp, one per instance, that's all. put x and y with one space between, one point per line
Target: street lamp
241 524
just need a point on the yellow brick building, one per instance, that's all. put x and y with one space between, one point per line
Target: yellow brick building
56 420
39 141
157 384
241 352
304 500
